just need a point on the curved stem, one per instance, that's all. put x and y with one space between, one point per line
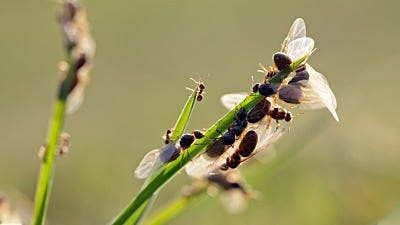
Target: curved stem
174 208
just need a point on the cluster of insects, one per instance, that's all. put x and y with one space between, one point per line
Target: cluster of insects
258 128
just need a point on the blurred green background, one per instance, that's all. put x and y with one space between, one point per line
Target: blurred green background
323 172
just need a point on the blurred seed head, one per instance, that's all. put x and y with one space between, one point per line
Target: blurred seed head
80 47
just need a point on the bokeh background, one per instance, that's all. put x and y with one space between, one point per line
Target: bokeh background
323 172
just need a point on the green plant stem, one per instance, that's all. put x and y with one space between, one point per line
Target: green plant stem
286 71
47 168
177 131
166 173
184 117
174 208
43 188
177 206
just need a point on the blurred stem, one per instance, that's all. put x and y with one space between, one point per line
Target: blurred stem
47 168
175 208
166 173
43 188
138 215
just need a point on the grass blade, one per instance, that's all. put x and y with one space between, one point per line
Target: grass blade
178 130
80 48
174 208
46 171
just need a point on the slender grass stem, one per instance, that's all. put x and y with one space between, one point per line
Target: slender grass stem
174 208
80 48
47 168
43 188
177 132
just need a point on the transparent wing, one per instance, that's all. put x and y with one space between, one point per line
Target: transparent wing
198 167
318 94
203 165
299 48
234 200
149 164
155 159
230 101
268 133
234 193
297 30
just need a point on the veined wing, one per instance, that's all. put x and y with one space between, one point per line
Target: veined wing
230 101
149 164
268 131
204 164
216 152
154 160
299 48
268 135
297 30
318 94
235 195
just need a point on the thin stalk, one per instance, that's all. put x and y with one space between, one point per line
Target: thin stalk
47 168
184 117
177 132
43 188
166 173
79 54
174 208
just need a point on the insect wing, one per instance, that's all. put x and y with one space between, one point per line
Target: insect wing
155 159
318 93
199 167
268 132
203 165
230 101
149 164
297 30
234 193
299 48
234 200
